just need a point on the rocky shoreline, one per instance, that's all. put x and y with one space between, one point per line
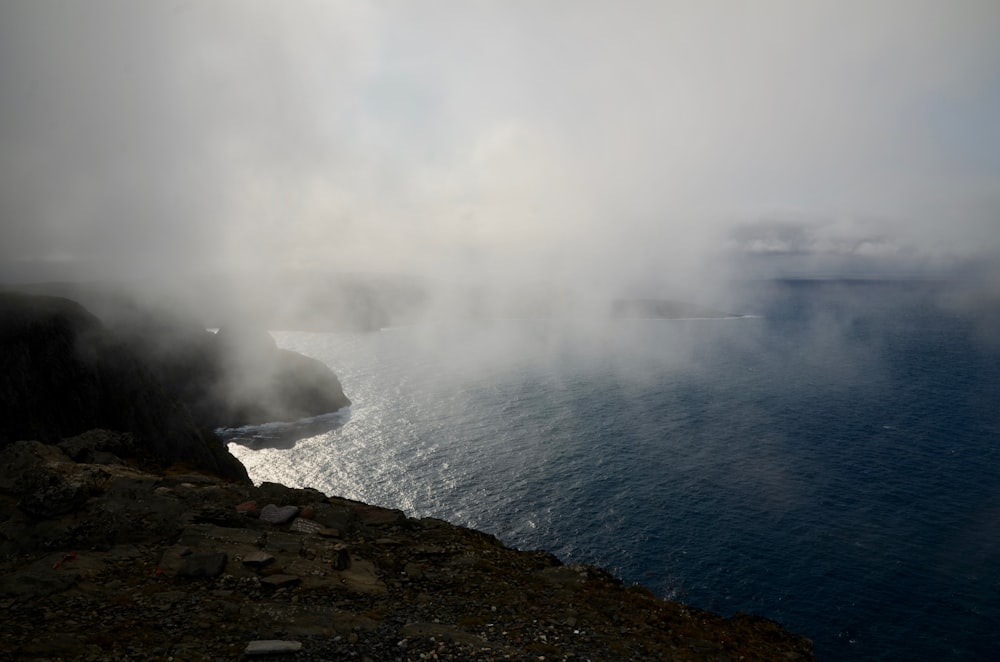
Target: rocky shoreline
101 560
128 532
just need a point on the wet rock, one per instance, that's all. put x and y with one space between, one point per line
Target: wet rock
278 514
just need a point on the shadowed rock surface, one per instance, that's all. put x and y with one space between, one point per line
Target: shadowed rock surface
166 379
62 373
182 565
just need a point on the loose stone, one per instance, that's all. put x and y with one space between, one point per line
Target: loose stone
272 647
280 581
258 559
278 515
203 565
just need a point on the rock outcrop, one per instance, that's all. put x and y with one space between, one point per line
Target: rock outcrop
63 373
166 379
126 564
235 377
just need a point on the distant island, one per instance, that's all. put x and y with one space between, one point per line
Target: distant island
662 309
301 301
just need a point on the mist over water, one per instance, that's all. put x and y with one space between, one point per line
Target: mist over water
483 181
828 463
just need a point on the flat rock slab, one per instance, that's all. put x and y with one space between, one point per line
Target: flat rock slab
278 514
280 581
203 565
258 559
375 515
272 647
37 583
305 526
279 541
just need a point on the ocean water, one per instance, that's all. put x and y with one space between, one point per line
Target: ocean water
830 461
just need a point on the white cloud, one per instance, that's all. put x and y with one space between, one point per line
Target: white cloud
546 140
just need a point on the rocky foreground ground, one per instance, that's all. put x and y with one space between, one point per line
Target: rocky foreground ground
104 560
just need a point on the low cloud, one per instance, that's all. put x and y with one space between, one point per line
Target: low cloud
560 144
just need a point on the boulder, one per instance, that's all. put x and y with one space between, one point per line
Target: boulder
208 566
278 514
99 446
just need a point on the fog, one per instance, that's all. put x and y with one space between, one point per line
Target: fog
585 150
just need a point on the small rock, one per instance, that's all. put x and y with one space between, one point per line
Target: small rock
278 515
308 512
280 581
203 565
341 557
305 526
246 506
272 647
258 559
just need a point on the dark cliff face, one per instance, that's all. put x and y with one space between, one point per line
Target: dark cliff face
62 373
234 377
166 379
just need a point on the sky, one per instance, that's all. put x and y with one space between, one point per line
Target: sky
465 141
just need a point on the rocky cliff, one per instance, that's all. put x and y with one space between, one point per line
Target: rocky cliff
166 379
62 373
147 541
102 561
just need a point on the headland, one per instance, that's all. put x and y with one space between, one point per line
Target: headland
128 531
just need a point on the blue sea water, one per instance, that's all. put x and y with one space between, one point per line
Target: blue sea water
830 462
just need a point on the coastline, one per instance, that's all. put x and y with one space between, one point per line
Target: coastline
129 531
179 563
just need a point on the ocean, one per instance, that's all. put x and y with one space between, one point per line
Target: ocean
828 460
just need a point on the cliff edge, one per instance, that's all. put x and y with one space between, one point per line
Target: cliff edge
147 540
102 561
